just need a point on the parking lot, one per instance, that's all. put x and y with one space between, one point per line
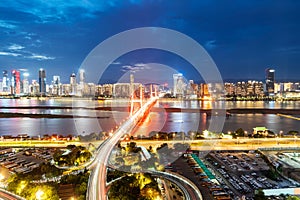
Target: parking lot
24 160
242 172
188 167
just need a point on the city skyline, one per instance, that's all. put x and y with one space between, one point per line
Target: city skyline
149 99
51 36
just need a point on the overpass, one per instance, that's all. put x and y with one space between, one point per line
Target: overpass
9 196
97 186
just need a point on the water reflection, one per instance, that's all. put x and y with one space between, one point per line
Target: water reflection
158 121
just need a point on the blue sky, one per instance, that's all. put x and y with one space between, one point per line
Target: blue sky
242 37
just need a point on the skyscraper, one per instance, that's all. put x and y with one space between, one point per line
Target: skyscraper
15 82
270 81
25 83
56 85
81 76
5 81
81 91
56 80
73 83
179 85
42 81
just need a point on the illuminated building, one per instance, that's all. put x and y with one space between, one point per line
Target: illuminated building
179 85
270 81
81 76
241 89
5 82
122 90
73 84
42 81
204 91
229 89
15 83
56 87
83 88
25 83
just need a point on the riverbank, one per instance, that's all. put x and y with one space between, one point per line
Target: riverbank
25 115
154 109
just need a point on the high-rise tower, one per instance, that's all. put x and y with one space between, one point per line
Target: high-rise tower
270 81
179 85
42 81
5 81
15 83
73 83
81 76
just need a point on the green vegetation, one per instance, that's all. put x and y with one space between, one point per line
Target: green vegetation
23 187
135 186
114 174
21 184
73 156
80 181
259 195
44 170
293 198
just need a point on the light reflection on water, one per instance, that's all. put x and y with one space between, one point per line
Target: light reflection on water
161 121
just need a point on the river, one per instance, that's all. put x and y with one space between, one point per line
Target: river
157 121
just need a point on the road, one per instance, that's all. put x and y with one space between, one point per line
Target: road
189 189
208 144
226 144
4 195
97 187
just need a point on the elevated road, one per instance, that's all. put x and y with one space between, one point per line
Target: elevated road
189 189
97 187
5 195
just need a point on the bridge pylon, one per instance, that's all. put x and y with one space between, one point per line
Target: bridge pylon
134 99
153 93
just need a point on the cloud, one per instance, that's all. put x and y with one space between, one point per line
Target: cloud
3 53
211 44
140 65
60 10
15 47
40 57
135 68
7 24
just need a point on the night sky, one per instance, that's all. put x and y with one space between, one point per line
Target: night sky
242 37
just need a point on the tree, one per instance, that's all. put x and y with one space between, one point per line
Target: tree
260 195
240 132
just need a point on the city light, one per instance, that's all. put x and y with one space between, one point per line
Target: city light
85 125
39 194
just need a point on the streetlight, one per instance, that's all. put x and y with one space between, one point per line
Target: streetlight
1 177
39 194
245 133
280 133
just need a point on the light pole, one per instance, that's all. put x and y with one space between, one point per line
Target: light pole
280 133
